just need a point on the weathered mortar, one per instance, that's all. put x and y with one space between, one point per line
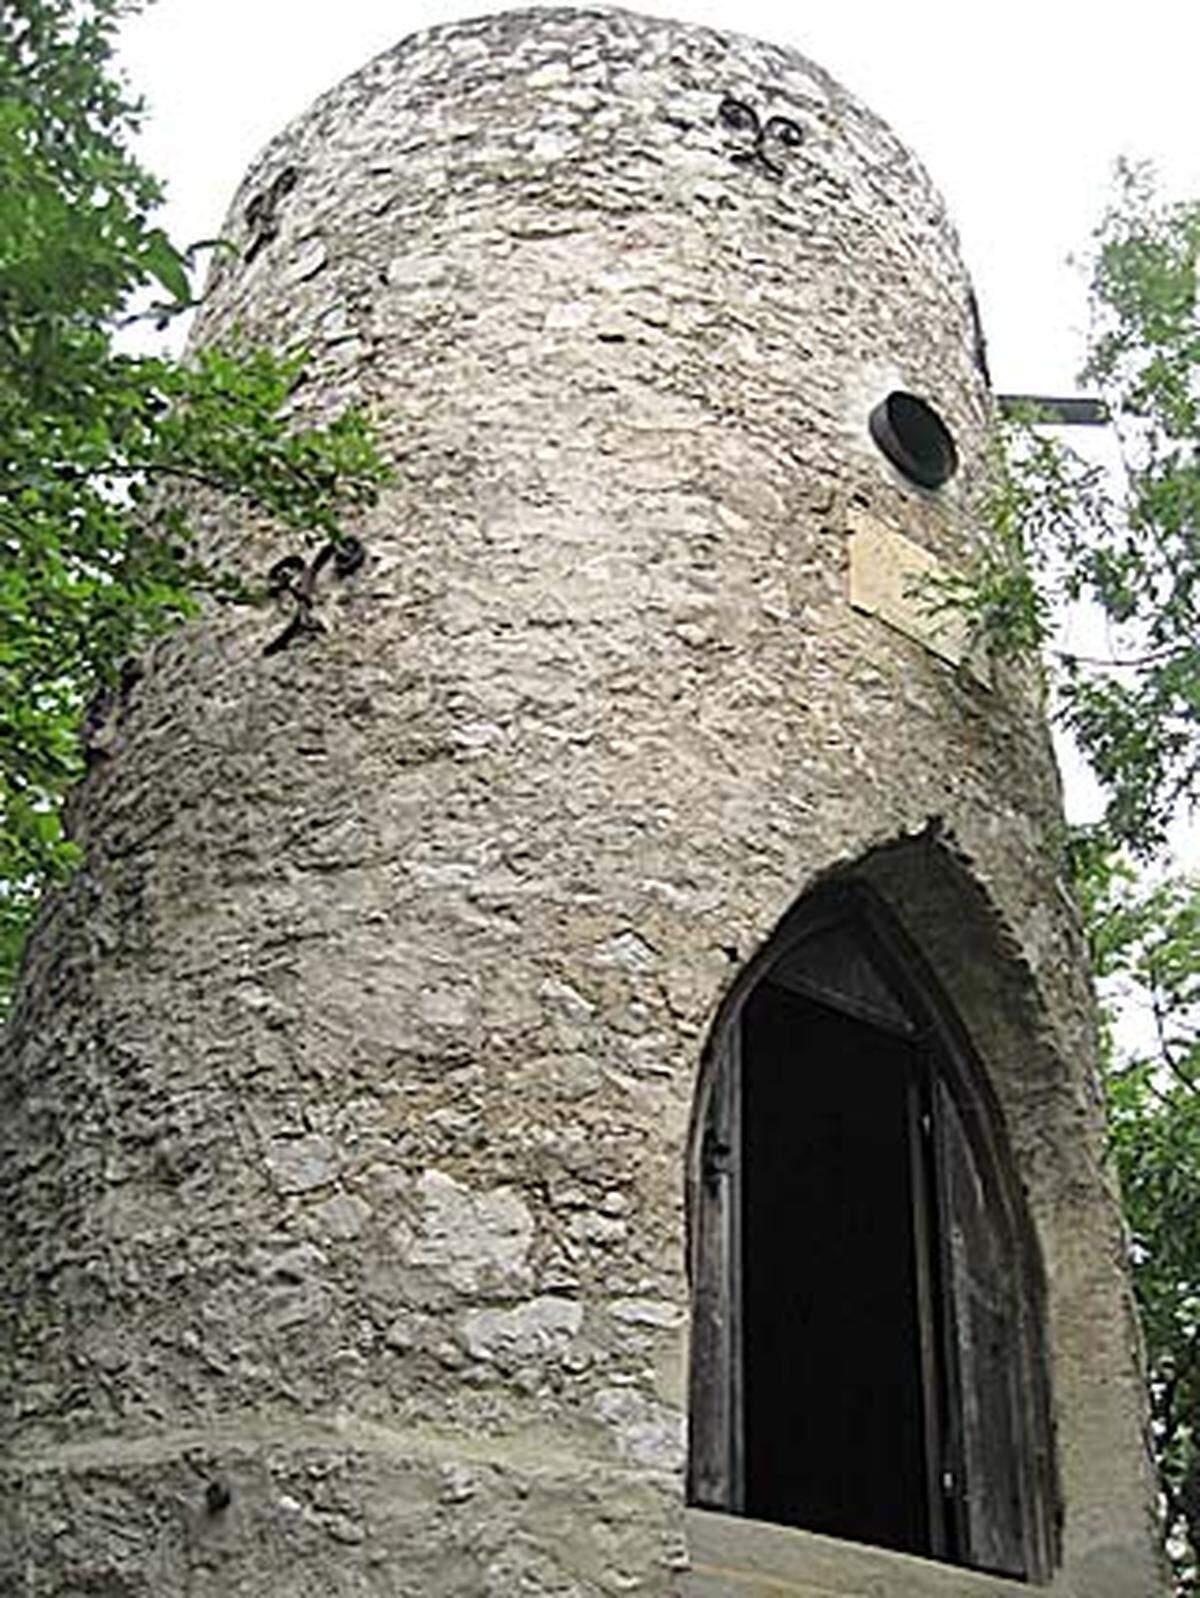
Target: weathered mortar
347 1095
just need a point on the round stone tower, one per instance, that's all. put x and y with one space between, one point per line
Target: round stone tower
568 1068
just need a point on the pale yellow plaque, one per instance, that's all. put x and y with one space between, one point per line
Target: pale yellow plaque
896 580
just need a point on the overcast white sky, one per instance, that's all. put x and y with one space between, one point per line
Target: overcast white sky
1018 108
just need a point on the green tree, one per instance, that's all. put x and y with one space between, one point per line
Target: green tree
1064 534
96 556
1145 942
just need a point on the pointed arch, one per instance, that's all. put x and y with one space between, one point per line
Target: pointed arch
867 1298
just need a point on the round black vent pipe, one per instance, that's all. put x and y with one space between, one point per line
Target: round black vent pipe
915 439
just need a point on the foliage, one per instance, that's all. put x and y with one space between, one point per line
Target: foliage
1063 536
1145 942
95 557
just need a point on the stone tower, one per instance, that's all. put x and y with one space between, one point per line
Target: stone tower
595 1026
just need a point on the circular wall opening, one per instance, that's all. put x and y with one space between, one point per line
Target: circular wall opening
914 438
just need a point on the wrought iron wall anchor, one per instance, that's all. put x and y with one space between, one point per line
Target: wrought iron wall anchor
262 213
103 711
776 131
217 1495
295 577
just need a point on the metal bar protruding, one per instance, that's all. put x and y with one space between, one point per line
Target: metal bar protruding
1070 411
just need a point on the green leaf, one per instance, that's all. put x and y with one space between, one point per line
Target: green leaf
164 262
103 454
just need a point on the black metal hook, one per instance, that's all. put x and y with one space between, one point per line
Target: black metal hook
262 213
348 556
739 116
742 118
789 133
297 578
283 574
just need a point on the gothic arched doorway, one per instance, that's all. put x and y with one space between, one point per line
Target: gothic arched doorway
866 1342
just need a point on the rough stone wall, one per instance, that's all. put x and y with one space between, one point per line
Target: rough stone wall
345 1104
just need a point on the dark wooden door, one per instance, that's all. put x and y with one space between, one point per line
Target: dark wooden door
989 1467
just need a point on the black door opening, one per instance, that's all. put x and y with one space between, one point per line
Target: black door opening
834 1429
